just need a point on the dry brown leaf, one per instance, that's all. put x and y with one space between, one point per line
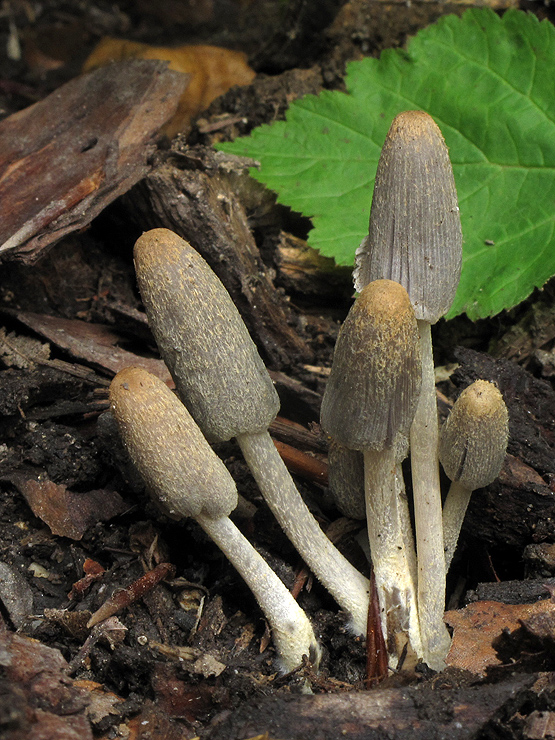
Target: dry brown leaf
68 514
477 625
102 703
214 71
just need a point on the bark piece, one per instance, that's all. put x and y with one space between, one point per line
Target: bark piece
44 703
96 344
66 157
422 713
197 201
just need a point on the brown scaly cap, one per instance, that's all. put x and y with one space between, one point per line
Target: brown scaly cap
473 440
415 232
174 459
201 336
375 377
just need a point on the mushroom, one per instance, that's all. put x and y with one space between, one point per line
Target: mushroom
223 382
346 480
415 239
472 448
369 405
184 474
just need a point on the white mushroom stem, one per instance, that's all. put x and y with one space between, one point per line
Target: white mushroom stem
185 475
424 436
391 556
349 587
223 382
291 630
454 511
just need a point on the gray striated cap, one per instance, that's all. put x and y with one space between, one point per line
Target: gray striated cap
202 338
375 379
176 462
473 440
415 231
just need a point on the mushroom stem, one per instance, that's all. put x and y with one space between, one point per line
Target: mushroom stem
424 435
395 565
291 631
223 382
454 511
349 587
185 475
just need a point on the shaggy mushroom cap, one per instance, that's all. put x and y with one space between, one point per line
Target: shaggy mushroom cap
214 362
187 476
373 387
473 440
414 235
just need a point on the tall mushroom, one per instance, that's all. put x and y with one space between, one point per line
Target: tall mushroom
472 449
415 239
223 382
185 475
369 405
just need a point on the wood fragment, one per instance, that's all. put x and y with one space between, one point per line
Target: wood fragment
96 344
305 466
197 201
66 157
127 596
418 713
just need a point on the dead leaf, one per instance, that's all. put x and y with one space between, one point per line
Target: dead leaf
214 71
102 704
479 624
68 514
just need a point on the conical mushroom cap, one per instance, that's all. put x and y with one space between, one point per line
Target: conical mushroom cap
473 440
201 336
415 231
170 452
375 378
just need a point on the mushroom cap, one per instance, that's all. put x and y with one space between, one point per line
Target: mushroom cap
202 338
473 440
375 379
414 235
176 462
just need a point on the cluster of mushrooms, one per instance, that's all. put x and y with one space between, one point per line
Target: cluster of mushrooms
379 403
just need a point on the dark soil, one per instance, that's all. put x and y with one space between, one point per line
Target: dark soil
193 655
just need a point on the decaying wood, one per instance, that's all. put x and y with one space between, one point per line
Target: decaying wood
63 159
196 200
96 344
426 713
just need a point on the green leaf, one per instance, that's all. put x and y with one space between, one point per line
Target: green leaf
489 83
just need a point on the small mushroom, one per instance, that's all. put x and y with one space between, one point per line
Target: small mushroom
223 382
415 239
472 448
368 405
183 473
